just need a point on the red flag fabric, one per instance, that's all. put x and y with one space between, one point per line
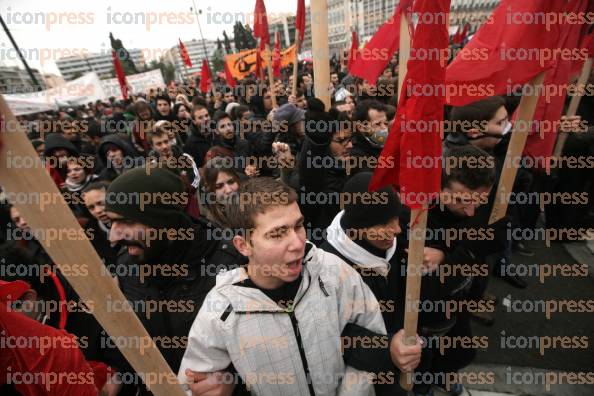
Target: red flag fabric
416 132
353 53
587 45
386 41
300 19
456 38
183 52
276 56
205 77
507 52
464 34
259 70
229 77
121 76
261 24
542 138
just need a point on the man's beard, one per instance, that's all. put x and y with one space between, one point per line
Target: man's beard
152 253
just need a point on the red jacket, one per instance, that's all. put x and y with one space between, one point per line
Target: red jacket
41 360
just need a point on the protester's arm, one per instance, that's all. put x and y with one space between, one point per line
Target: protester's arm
206 351
357 305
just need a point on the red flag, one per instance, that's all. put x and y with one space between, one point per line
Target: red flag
587 46
276 56
183 52
229 77
353 53
261 24
541 142
384 42
500 57
416 132
205 77
464 34
456 38
259 70
121 76
300 19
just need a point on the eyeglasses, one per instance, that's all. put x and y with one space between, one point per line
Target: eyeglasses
343 141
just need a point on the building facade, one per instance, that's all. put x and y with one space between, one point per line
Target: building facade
14 80
101 63
366 16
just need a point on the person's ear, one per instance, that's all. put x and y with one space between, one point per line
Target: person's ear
242 245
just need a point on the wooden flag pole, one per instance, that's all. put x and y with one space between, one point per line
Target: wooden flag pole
296 63
416 245
516 148
417 228
94 285
320 51
574 104
270 75
404 52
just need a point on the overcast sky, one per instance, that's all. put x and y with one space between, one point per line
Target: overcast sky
85 25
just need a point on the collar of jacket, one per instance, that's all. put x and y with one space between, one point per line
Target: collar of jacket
364 143
252 300
355 253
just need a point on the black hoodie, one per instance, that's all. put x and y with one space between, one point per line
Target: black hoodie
131 158
56 141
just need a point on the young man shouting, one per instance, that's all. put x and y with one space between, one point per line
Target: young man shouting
278 320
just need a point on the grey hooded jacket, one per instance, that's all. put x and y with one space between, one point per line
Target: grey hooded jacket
275 350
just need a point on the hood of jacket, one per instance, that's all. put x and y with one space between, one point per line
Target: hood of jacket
118 141
338 238
55 141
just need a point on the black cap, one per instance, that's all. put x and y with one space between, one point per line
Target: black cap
367 210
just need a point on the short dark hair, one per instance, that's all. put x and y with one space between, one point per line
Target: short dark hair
481 111
162 97
256 196
220 115
238 111
480 174
362 109
98 185
197 107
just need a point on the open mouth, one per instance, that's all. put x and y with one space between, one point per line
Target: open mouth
294 267
134 248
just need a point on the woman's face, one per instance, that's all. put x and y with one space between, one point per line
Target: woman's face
225 186
76 173
183 113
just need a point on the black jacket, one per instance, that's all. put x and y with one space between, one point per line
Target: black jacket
451 234
131 157
198 262
321 178
366 153
375 359
197 145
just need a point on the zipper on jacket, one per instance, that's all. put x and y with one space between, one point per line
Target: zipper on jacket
295 324
323 287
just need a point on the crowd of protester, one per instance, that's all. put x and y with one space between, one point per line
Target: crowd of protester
336 262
